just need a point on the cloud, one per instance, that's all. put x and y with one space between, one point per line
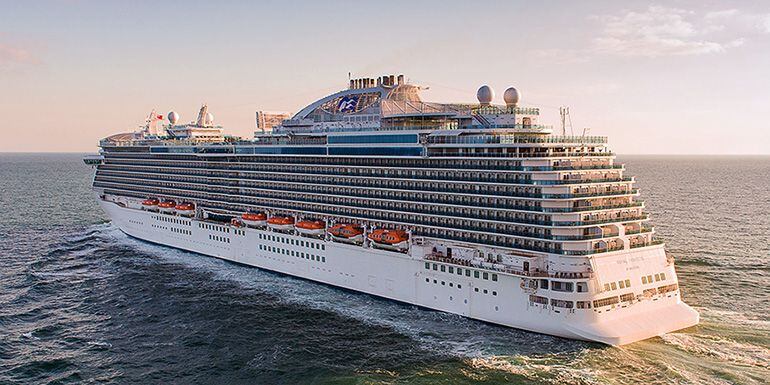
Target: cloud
722 14
658 31
11 55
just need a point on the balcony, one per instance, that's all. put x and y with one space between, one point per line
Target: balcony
436 257
589 208
484 139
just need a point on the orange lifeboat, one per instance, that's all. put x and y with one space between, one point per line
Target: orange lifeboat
150 204
254 219
397 240
348 233
187 209
281 223
167 206
312 228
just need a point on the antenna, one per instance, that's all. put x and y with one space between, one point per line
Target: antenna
564 113
583 137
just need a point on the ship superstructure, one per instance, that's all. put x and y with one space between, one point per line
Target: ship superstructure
474 209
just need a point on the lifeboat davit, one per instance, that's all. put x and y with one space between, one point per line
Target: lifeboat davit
254 219
312 228
187 209
347 233
150 204
397 240
281 223
167 206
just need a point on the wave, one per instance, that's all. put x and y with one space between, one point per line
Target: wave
438 331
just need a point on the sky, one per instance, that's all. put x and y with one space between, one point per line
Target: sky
675 77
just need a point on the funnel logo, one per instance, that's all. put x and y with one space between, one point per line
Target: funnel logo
348 104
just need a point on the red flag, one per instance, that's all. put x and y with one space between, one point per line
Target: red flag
160 117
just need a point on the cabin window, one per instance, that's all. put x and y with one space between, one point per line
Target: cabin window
427 266
485 275
606 301
494 277
544 284
662 276
561 286
475 273
451 270
435 266
582 287
459 271
561 303
443 268
628 297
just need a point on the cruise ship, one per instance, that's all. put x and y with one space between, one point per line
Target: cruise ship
475 209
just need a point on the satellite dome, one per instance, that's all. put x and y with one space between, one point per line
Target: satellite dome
173 117
512 96
209 118
485 94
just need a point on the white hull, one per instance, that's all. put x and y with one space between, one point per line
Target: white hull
254 223
401 277
310 232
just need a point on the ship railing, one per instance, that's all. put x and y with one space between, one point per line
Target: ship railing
426 188
579 181
210 173
274 185
590 208
246 204
512 139
267 159
433 153
226 168
300 187
645 244
318 199
438 257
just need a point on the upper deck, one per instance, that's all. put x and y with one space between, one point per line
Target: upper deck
385 113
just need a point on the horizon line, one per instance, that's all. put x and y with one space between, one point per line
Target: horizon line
617 154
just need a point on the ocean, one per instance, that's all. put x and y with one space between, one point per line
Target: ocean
80 302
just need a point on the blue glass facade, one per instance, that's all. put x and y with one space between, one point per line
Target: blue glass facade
282 150
387 151
363 139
